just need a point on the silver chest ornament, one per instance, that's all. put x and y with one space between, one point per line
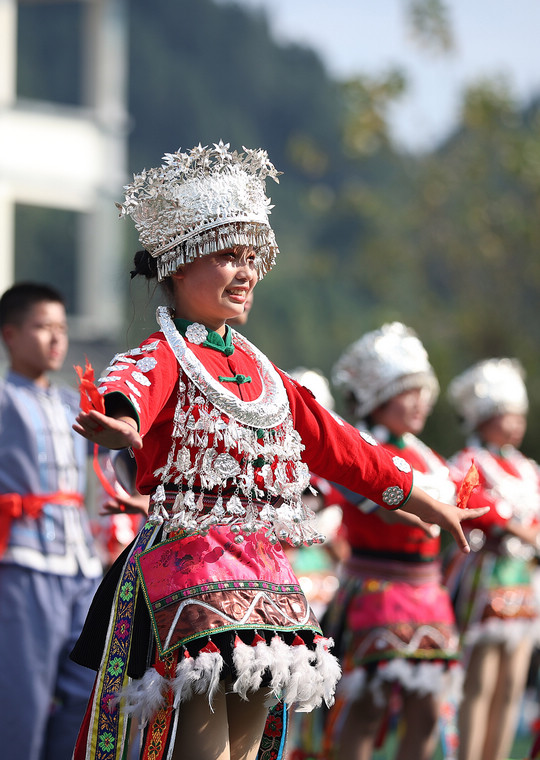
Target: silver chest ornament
246 454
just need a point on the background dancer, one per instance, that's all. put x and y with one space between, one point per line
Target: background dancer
495 603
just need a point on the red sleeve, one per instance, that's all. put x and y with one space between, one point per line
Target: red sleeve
146 377
337 451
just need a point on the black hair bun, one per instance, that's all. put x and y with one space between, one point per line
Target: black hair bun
145 265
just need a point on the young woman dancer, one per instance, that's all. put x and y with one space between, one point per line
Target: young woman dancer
392 620
208 623
494 597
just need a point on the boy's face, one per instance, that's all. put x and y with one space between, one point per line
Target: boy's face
39 343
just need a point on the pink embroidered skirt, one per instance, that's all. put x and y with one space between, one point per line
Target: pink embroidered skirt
223 610
391 612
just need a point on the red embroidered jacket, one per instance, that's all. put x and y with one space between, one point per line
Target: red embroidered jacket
334 449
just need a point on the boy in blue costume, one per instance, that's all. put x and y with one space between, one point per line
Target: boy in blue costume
48 565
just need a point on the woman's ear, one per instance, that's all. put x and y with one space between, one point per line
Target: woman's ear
179 274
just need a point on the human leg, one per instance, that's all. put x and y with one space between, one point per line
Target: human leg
202 732
73 682
231 730
246 723
512 675
355 739
420 715
29 652
480 680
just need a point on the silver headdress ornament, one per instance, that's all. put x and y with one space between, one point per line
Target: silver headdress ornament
317 383
382 364
487 389
203 201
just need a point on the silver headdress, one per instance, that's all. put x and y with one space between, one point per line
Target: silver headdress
317 383
201 202
487 389
382 364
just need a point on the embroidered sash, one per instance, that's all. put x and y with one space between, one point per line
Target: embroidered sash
108 724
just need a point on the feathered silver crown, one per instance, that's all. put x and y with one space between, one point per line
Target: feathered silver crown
382 364
487 389
203 201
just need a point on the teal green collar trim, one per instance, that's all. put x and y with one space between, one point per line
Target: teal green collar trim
213 339
397 441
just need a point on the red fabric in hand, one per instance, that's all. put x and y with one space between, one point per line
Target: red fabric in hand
90 396
468 484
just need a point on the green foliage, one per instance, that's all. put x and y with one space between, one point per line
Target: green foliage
474 233
429 24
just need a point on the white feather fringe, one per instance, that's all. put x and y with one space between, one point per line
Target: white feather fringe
183 682
250 663
282 656
510 633
328 669
206 674
143 697
298 675
420 678
302 684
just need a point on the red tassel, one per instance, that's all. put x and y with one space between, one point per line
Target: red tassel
210 648
323 640
90 396
469 483
237 640
256 639
298 641
186 655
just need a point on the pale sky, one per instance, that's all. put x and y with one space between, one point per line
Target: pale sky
492 38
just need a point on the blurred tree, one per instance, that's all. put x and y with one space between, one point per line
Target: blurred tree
429 22
475 229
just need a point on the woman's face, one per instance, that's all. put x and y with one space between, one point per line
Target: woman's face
405 413
504 429
215 287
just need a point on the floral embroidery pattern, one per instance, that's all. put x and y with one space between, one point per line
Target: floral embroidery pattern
273 742
106 741
126 592
107 722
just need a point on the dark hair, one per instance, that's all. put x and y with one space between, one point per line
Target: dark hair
146 266
20 298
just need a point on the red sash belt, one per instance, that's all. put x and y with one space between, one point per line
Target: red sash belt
14 505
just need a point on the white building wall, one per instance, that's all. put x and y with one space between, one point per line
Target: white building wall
71 158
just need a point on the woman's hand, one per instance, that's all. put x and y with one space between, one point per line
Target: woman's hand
109 432
447 516
126 505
